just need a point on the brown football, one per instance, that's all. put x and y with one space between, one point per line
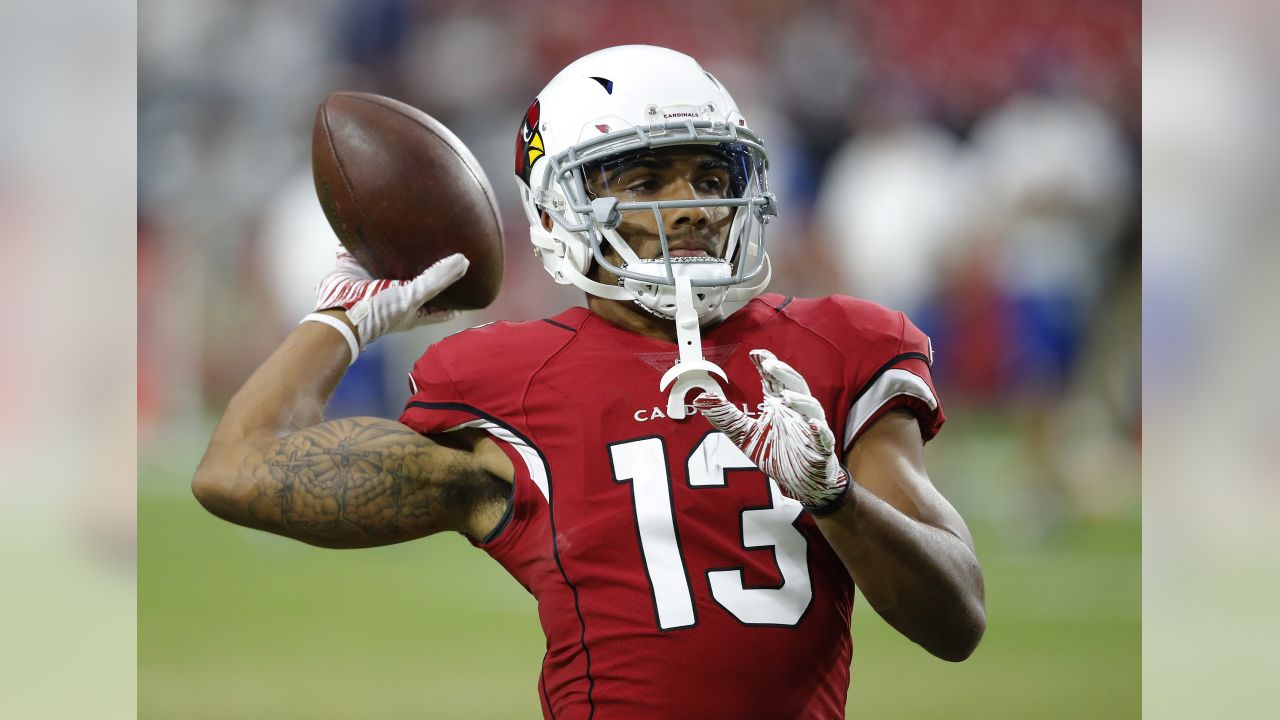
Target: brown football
401 191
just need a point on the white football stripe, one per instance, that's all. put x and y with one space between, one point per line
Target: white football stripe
893 383
537 469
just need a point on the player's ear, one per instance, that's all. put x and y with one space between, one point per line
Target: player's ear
546 220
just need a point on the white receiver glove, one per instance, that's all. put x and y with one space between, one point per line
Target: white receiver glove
377 307
790 442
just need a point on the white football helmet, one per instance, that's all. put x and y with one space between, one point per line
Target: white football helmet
618 101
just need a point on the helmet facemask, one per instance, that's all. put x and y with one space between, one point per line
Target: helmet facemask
590 196
636 238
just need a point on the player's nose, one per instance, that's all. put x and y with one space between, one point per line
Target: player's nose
683 218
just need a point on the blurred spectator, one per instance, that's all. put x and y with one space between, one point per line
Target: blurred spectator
893 201
1058 186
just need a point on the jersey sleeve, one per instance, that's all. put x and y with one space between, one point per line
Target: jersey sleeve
473 380
436 404
903 381
887 365
470 376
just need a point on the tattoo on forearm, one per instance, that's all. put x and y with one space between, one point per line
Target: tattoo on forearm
357 477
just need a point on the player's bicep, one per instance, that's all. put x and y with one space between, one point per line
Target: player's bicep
888 460
361 482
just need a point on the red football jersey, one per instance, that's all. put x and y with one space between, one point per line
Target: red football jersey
673 579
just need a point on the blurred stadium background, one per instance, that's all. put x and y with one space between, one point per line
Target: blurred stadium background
973 163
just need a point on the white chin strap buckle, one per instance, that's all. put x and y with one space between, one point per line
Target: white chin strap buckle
692 371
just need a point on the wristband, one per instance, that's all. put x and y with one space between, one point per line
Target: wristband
836 502
341 327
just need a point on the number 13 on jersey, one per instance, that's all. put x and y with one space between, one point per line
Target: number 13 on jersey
642 463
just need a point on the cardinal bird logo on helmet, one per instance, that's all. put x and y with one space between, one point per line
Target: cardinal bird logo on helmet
529 145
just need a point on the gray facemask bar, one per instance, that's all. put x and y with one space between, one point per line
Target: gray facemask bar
605 213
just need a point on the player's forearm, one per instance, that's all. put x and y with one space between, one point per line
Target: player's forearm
923 580
287 393
289 390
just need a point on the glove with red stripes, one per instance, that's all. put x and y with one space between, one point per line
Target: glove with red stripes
790 441
377 307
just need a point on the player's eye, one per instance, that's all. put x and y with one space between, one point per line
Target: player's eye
642 185
712 184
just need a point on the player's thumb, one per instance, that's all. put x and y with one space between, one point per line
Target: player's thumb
822 435
443 273
724 417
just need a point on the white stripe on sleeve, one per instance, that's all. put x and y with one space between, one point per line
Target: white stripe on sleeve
893 383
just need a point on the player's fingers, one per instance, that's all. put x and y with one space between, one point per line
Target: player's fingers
760 355
785 376
805 404
724 417
759 358
777 375
348 264
436 315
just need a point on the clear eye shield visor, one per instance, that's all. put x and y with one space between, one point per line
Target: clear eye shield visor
691 196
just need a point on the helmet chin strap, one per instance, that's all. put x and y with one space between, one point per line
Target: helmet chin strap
692 371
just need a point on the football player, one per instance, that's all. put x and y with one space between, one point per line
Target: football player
690 475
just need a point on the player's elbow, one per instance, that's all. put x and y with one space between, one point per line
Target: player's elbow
962 635
206 489
213 491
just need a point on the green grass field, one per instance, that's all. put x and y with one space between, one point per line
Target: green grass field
238 624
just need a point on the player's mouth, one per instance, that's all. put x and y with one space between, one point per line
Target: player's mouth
689 247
